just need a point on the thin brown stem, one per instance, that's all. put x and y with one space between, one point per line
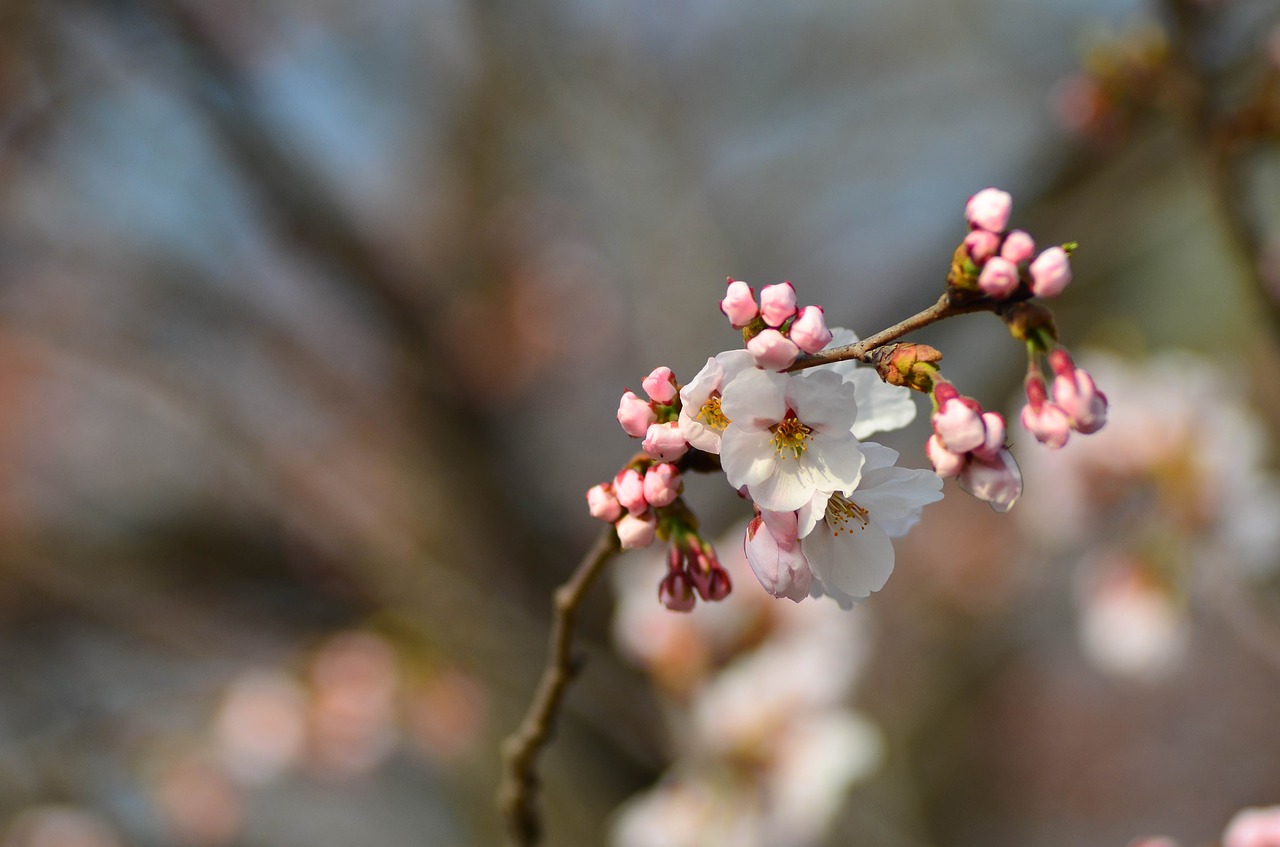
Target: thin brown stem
948 306
518 792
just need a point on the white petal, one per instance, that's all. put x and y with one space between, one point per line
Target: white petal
755 399
823 401
748 457
856 562
881 407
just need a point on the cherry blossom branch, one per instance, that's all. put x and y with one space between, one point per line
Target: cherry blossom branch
949 305
518 791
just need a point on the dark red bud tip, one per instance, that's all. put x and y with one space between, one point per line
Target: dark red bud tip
944 391
1061 362
676 594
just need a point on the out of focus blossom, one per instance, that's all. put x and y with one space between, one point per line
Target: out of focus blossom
1177 469
355 683
1259 827
1131 625
200 803
770 746
60 826
261 726
447 713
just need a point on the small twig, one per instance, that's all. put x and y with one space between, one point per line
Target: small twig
518 792
948 306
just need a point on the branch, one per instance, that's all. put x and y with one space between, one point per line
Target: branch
518 791
948 306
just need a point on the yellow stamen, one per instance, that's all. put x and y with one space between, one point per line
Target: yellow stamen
712 415
790 436
841 510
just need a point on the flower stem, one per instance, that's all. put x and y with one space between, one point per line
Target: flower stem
948 306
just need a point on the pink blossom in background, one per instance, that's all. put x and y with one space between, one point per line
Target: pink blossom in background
1258 827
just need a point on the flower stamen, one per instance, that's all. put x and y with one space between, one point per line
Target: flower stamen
841 510
791 436
711 414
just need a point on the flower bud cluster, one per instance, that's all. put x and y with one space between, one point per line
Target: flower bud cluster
776 331
693 571
997 261
630 501
657 419
1075 403
968 443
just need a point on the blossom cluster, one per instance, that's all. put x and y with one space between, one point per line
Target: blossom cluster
826 502
791 438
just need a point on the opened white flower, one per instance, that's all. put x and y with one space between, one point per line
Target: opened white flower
701 418
789 436
845 535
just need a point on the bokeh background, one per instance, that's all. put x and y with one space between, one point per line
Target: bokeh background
313 320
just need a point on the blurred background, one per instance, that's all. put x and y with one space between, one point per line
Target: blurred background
313 321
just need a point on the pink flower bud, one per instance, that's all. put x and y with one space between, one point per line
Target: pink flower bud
994 442
636 531
664 442
989 209
1018 247
958 424
998 482
1048 423
602 503
1081 401
712 584
945 463
1050 272
773 551
739 304
628 487
777 303
660 385
662 484
773 351
635 415
999 277
809 330
981 245
676 592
